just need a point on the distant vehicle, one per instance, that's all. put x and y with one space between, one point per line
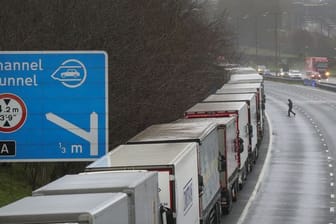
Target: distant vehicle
282 74
261 69
283 71
313 75
294 74
267 72
70 73
316 65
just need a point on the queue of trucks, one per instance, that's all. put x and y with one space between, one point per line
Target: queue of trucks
187 171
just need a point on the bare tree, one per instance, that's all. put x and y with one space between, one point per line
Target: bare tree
162 54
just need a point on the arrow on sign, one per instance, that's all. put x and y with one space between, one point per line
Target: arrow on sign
91 136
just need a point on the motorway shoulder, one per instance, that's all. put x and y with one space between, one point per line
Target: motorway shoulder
250 186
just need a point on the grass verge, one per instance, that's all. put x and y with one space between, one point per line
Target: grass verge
12 185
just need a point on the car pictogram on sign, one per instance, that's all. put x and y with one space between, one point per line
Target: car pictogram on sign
73 73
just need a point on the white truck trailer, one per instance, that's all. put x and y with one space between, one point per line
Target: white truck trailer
177 166
206 137
229 109
250 99
228 157
246 78
141 188
95 208
249 88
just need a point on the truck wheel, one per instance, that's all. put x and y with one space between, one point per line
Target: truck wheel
226 209
244 176
234 191
249 166
256 155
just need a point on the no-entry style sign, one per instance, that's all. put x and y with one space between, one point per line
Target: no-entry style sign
53 105
13 112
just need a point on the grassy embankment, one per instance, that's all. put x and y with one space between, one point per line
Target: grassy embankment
12 185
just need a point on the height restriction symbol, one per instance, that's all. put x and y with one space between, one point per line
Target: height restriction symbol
13 112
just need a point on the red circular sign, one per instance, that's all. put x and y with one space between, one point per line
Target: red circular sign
13 112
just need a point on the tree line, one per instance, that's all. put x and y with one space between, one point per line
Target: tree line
162 56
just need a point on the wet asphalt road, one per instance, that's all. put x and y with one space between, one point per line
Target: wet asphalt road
293 181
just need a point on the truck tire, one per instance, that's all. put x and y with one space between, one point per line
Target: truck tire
249 166
244 175
226 209
234 191
256 155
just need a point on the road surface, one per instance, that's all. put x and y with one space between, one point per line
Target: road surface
296 181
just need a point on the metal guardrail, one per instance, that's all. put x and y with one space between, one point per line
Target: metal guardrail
329 86
306 82
283 79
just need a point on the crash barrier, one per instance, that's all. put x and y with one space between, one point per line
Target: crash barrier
327 86
283 79
306 82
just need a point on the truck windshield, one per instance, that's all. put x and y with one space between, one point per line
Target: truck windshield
322 65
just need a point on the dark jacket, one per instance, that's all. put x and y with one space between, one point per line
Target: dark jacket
290 104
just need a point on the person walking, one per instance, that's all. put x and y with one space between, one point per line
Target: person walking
290 108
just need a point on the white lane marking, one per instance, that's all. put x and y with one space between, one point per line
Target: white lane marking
261 175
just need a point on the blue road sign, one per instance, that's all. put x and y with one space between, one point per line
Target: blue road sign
53 105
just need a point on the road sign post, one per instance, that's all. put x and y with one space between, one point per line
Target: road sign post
53 105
